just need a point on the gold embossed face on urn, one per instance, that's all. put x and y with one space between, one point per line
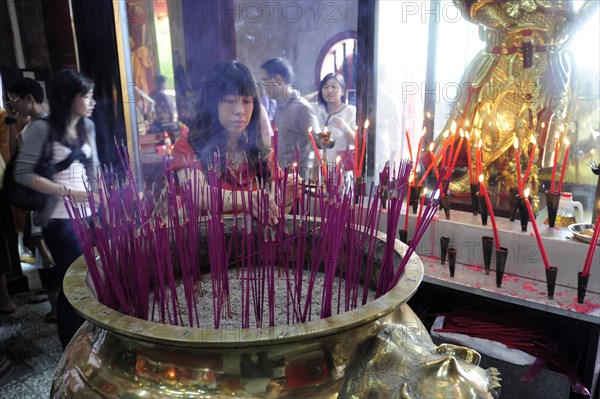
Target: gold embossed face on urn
454 373
402 362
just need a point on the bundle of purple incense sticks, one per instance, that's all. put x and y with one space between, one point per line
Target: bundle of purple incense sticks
187 256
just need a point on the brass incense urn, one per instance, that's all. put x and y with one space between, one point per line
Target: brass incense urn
378 350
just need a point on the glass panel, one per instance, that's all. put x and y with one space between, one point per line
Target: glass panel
400 77
252 32
585 51
458 43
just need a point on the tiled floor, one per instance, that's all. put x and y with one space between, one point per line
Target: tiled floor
36 353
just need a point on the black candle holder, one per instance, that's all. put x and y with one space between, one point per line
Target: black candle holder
403 235
445 206
415 196
452 260
483 209
474 199
552 199
513 203
523 214
501 256
551 280
488 243
582 282
444 242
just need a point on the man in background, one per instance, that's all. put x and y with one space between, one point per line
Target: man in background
294 115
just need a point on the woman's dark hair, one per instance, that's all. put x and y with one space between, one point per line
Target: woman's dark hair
338 78
26 86
208 136
64 87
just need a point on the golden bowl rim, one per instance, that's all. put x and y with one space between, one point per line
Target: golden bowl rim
78 291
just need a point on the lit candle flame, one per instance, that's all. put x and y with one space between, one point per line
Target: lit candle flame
566 141
543 125
325 130
556 135
428 115
425 191
453 127
467 123
423 131
411 177
481 178
516 143
480 144
294 165
367 124
461 133
431 147
467 135
310 129
446 134
338 159
526 192
532 139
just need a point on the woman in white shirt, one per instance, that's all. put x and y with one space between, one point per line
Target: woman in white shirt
64 144
333 112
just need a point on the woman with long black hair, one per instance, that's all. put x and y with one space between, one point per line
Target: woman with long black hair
229 124
65 144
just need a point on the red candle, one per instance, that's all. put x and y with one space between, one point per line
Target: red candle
478 145
410 179
530 162
593 244
451 140
441 153
364 147
469 155
479 159
518 166
555 161
433 162
355 149
564 166
419 145
409 146
535 229
453 164
490 211
421 206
